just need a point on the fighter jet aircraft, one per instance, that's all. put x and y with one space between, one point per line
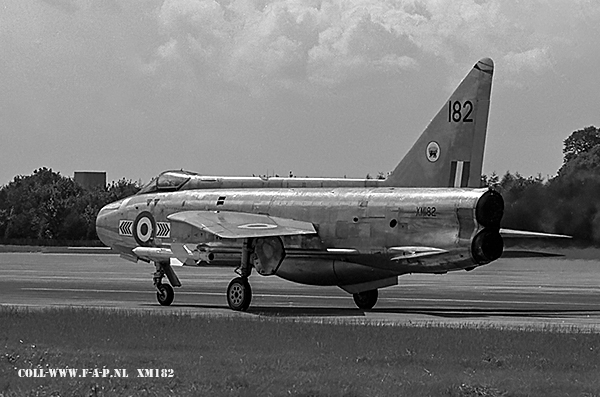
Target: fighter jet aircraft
428 216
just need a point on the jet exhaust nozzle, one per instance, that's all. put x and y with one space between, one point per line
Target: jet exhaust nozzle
490 209
487 246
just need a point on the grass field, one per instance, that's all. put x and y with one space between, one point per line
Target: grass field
228 356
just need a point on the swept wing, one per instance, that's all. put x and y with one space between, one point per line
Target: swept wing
234 225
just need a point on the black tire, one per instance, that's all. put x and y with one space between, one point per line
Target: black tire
366 300
239 294
165 294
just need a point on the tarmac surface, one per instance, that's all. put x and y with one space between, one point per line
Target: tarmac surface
522 293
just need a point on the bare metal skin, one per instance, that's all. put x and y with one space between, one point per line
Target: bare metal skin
368 223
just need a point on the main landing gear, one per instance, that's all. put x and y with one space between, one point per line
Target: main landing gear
366 300
239 293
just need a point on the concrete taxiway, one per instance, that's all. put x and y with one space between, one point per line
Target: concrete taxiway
533 292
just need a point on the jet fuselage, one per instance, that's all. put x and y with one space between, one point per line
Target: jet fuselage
358 228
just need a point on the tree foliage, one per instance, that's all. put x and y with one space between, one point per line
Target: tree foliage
49 206
568 203
579 142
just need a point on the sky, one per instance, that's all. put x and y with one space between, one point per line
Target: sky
319 88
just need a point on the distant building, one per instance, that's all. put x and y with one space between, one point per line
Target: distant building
90 179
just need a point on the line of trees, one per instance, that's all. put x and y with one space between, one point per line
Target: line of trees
50 208
46 207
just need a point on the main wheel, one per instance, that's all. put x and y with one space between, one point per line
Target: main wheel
366 300
165 294
239 294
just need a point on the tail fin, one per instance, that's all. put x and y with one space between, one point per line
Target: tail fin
449 153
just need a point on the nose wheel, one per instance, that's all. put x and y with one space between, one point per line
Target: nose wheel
239 294
164 294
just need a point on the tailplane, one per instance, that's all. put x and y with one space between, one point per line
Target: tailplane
449 153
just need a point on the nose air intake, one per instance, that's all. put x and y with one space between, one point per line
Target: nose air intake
107 223
487 246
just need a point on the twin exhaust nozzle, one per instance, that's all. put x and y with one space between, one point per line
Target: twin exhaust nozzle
488 245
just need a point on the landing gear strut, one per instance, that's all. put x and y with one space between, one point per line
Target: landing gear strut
239 293
366 300
164 292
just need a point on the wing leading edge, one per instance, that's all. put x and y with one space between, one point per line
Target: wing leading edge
511 233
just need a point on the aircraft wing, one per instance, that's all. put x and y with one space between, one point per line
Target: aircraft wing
228 224
510 233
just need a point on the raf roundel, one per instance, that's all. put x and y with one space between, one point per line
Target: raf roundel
433 151
257 226
144 228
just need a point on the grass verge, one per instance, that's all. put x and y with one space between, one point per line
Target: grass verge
225 356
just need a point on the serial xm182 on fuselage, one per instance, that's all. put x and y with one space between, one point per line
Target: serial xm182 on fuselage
428 216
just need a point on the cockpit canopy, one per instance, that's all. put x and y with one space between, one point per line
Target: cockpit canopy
168 181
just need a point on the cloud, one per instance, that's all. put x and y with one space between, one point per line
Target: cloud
281 44
536 60
355 41
261 45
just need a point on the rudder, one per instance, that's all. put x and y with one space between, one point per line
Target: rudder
449 153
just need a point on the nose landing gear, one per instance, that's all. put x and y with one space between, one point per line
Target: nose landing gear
164 292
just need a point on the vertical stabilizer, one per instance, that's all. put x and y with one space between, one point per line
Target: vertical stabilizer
449 153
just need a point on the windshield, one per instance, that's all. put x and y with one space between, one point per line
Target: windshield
149 187
165 182
171 180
